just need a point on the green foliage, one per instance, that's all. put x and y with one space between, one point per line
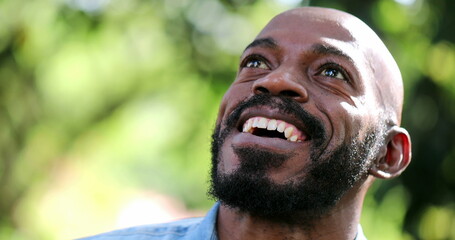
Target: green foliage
103 102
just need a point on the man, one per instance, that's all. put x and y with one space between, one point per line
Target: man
310 121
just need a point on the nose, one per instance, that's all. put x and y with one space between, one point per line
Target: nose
282 83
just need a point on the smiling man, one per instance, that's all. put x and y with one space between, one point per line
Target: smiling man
312 118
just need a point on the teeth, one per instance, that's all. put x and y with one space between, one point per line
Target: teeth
249 125
288 132
255 122
262 123
272 125
293 138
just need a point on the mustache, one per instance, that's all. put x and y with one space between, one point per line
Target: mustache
313 126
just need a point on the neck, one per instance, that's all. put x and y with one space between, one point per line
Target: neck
341 222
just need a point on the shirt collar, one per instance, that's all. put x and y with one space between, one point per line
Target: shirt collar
207 228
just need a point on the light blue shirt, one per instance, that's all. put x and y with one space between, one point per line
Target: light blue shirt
186 229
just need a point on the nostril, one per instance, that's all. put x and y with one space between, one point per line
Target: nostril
289 93
262 90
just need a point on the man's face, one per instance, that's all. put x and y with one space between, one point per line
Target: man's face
298 127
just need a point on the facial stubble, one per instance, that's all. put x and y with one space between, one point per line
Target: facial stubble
328 176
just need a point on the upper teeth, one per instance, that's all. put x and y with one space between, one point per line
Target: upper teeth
291 133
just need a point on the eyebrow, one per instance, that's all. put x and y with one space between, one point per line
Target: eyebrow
330 50
263 42
316 48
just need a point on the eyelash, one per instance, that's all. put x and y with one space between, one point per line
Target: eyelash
334 66
252 57
325 66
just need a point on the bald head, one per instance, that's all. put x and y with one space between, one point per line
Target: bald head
380 71
301 129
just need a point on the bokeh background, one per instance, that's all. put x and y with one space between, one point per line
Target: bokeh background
107 106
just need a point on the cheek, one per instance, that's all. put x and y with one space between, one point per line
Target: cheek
222 108
349 110
346 118
233 96
352 118
225 104
358 117
355 108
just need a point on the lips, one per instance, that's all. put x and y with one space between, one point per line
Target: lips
274 122
273 128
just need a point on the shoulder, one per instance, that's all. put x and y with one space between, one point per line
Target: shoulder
185 229
165 231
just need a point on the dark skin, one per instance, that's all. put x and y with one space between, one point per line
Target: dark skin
339 71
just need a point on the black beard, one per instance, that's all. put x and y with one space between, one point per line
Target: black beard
327 178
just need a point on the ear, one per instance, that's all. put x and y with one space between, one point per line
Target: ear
397 155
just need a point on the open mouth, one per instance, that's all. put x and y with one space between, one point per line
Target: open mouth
273 128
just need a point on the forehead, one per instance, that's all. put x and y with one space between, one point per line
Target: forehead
296 32
309 22
326 27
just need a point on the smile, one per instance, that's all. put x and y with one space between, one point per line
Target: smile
273 128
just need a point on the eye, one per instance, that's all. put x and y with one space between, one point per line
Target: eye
330 72
255 61
333 71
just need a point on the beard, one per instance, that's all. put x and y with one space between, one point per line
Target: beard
325 180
